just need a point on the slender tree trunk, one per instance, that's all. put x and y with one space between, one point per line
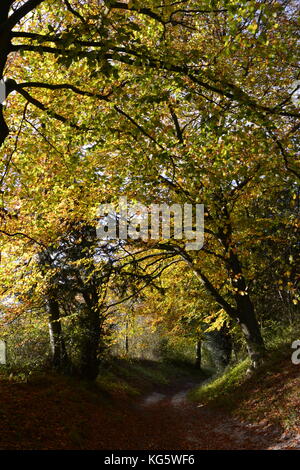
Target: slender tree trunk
198 354
59 356
58 349
126 339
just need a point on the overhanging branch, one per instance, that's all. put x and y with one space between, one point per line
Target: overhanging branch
19 14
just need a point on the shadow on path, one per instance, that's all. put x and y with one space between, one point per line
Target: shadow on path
166 419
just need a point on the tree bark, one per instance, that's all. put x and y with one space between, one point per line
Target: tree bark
89 344
58 349
246 316
250 328
4 51
6 24
245 313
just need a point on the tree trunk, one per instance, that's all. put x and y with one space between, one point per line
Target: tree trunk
90 316
126 339
245 312
198 354
4 50
249 325
89 344
58 349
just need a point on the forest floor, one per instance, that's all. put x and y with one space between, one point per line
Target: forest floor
52 412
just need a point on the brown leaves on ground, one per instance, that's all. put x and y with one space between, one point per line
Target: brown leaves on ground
58 413
272 398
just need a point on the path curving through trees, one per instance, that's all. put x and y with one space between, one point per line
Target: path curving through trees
168 420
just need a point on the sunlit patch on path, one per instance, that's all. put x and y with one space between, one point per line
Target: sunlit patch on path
153 398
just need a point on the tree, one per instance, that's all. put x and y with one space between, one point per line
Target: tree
180 309
59 355
196 98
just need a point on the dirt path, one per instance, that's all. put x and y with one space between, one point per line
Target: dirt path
165 419
58 415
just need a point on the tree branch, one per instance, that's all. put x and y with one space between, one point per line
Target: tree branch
20 234
74 12
19 14
62 86
41 106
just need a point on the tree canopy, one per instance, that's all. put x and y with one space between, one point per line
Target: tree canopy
162 102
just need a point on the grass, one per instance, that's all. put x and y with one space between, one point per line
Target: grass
135 377
111 383
269 394
222 386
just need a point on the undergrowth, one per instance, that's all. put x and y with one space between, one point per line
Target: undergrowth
268 393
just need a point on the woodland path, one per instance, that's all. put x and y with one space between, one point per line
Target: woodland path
58 415
166 419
